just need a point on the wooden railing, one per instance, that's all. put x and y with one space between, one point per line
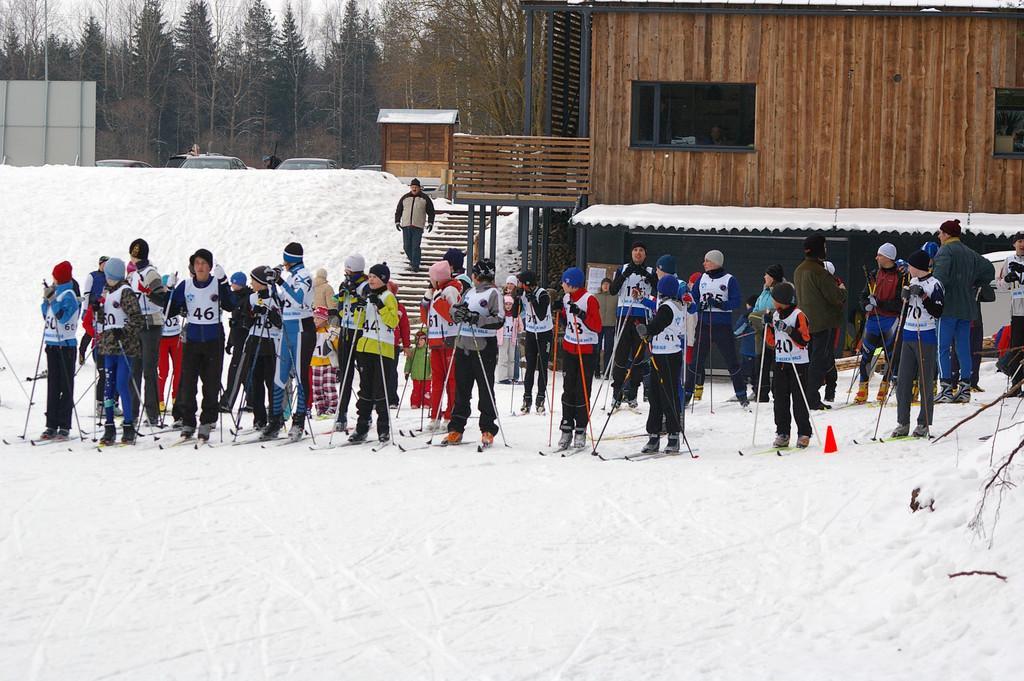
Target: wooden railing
530 170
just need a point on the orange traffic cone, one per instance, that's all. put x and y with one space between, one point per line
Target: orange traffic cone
830 442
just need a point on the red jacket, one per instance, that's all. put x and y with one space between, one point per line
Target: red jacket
402 330
592 320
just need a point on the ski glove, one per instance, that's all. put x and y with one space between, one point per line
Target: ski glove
430 227
398 227
460 313
227 349
1011 278
916 290
375 299
769 315
218 274
275 318
641 330
905 294
48 292
871 304
1017 267
575 310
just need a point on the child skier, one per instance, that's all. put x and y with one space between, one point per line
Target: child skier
665 339
417 365
325 364
744 333
535 308
170 353
924 299
788 332
377 310
476 353
201 298
508 342
298 336
60 312
442 332
120 346
348 303
262 345
582 314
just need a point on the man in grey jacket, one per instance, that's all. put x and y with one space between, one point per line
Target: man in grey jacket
148 286
415 211
481 314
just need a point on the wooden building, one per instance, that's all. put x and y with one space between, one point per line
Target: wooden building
417 143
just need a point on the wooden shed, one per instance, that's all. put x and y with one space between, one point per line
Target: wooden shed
417 143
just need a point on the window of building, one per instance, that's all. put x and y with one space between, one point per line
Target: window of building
697 116
1009 122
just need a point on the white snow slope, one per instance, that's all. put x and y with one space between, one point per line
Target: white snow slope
286 563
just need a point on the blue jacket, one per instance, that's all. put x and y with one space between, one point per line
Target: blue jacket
202 333
65 309
744 332
721 315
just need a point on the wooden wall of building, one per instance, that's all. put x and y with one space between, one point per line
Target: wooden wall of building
831 123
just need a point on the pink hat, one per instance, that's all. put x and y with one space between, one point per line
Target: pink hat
320 313
508 300
440 271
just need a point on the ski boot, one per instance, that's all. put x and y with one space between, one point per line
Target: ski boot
920 431
653 444
698 392
358 435
204 432
564 440
616 404
295 432
883 391
454 437
633 404
945 392
673 444
341 424
259 425
48 434
901 430
780 441
540 404
109 435
128 434
743 400
962 394
803 441
862 393
486 440
527 406
579 439
187 432
62 435
381 437
273 428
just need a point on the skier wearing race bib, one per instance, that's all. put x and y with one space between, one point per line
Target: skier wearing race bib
377 314
476 353
60 313
718 294
1011 278
787 331
350 332
201 298
262 345
665 336
633 282
120 347
436 312
534 307
170 352
295 291
881 303
582 313
149 287
924 298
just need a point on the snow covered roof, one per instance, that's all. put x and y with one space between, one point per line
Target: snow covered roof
714 218
423 116
923 5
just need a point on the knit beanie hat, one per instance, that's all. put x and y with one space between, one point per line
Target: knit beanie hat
951 228
114 271
511 280
62 272
527 278
484 269
382 272
715 256
509 300
139 249
776 273
931 248
455 258
814 246
1015 238
784 293
238 278
320 313
668 286
638 244
201 253
919 260
888 250
293 253
260 274
440 271
355 262
573 277
667 264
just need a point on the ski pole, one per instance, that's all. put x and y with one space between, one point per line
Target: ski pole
31 397
353 340
696 358
490 393
444 384
401 399
760 383
609 417
554 380
583 383
69 381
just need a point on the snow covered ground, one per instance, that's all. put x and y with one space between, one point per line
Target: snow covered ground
285 563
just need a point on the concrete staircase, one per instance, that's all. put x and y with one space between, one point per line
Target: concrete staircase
449 232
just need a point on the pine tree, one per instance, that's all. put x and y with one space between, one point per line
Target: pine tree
196 66
152 55
259 34
291 71
11 51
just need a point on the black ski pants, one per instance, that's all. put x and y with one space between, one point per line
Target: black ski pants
663 395
719 335
475 368
60 385
575 415
372 394
822 361
346 372
629 341
203 361
786 389
235 379
538 353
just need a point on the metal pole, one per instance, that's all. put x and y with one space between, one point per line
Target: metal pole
494 234
3 123
481 234
583 128
528 77
470 226
543 246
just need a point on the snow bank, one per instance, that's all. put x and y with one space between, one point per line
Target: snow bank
245 218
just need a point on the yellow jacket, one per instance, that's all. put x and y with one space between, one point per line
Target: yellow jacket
378 325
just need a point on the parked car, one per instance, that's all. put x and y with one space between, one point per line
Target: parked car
215 161
121 163
308 164
369 167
